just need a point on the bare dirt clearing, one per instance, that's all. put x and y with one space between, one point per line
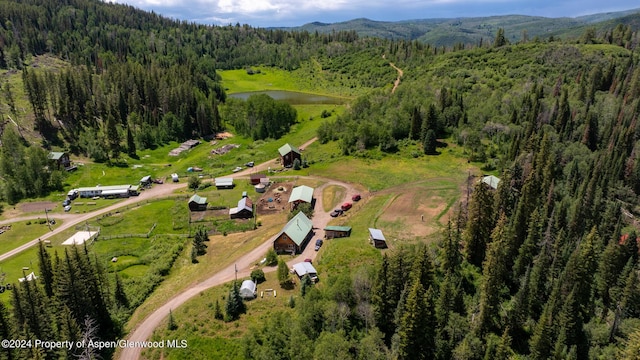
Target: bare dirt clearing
419 209
37 206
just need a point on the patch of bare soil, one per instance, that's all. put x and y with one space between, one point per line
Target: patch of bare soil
223 135
208 214
415 212
275 199
37 206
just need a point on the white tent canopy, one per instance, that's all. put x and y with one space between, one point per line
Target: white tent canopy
80 238
29 277
248 289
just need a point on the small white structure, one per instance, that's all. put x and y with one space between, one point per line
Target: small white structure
175 177
491 180
248 289
80 238
29 277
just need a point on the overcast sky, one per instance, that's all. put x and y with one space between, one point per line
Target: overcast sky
287 13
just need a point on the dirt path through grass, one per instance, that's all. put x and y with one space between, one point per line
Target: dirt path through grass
242 265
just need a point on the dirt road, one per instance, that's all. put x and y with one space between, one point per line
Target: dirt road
145 329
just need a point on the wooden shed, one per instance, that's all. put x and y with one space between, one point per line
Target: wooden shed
301 194
288 154
255 178
331 232
295 235
197 203
60 159
377 238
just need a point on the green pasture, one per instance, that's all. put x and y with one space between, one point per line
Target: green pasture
382 171
21 233
309 78
210 338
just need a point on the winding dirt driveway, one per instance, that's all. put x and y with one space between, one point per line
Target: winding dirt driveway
145 329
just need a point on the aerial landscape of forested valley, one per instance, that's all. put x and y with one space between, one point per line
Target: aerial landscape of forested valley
459 189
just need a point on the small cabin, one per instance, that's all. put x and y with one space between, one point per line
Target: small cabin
377 238
244 210
197 203
224 183
288 154
60 160
331 232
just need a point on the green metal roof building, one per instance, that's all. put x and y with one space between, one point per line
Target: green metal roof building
295 235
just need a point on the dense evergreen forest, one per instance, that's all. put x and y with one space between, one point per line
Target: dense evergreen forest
545 266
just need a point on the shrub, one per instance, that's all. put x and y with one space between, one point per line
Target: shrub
257 276
272 258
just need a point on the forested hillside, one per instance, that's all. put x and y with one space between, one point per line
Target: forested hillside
544 266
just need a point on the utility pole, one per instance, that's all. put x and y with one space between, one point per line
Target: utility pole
46 215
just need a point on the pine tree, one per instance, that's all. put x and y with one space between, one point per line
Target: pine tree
171 323
494 275
451 257
422 267
46 269
198 241
429 142
235 305
284 278
570 332
416 329
6 332
131 144
217 312
416 124
500 39
479 224
382 304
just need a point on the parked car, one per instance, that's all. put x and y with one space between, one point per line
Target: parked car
67 208
238 168
346 206
308 260
249 164
66 202
318 244
356 197
336 213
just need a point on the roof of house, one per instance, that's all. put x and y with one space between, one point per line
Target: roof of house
146 179
376 234
287 148
244 204
198 199
56 155
301 193
491 181
114 192
297 228
337 228
304 268
257 176
224 181
104 188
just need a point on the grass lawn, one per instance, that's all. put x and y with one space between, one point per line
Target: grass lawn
209 338
331 196
22 233
221 252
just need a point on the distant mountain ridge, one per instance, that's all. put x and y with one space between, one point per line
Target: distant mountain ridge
450 31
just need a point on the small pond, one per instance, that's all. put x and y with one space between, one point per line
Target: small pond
292 97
